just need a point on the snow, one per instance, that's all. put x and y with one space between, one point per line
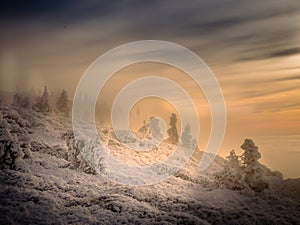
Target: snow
48 182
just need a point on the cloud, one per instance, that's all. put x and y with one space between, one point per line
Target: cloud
265 52
261 91
289 78
285 52
195 24
56 34
31 9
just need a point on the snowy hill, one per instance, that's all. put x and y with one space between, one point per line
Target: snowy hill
45 180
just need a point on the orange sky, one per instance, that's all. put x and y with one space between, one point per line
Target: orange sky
266 110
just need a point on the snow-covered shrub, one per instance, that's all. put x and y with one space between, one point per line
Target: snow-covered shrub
9 149
13 118
14 141
74 156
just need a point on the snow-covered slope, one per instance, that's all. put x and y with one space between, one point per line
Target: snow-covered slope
44 180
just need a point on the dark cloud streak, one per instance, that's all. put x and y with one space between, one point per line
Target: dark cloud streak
285 52
31 9
289 78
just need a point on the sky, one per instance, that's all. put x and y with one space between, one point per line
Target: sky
252 47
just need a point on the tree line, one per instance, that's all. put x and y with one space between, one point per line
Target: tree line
43 102
185 140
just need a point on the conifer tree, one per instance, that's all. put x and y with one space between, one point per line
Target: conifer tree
186 137
62 103
42 102
254 176
155 129
172 131
232 175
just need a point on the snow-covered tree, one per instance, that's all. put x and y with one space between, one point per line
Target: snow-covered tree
74 156
254 175
9 149
16 100
42 102
22 101
144 128
45 93
154 128
194 144
172 131
232 175
27 102
186 137
14 140
62 103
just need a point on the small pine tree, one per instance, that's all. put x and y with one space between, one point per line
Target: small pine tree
74 155
232 175
254 175
27 102
42 102
62 103
143 131
186 137
144 128
19 100
45 93
172 131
